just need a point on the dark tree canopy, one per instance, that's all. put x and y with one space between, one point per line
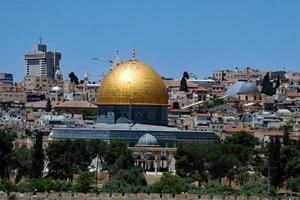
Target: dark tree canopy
22 159
6 150
73 78
126 181
48 105
117 156
183 82
190 162
267 86
38 156
277 82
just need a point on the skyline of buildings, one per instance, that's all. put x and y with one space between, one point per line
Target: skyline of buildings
43 63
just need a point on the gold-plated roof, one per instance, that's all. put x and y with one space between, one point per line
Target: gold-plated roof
132 82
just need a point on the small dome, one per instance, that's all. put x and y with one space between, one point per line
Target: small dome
56 89
241 87
147 140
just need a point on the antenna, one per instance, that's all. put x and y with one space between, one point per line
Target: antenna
40 40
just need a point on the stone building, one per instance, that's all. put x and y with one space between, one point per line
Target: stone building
10 93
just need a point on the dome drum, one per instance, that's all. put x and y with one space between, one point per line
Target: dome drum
143 114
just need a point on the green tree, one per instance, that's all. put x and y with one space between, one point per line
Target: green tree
117 156
7 137
191 162
127 181
277 82
22 159
267 87
286 137
168 183
48 105
276 171
244 139
88 113
293 184
221 162
38 156
84 182
61 154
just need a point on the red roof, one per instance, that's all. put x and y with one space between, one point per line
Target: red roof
293 94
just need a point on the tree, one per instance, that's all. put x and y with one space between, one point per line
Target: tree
277 81
38 156
84 182
22 159
6 149
191 162
73 78
127 181
61 154
88 113
267 87
293 184
168 183
183 83
275 164
244 139
117 156
286 137
48 105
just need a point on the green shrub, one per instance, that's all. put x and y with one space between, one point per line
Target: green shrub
257 188
214 187
84 182
7 186
293 184
38 185
127 181
169 183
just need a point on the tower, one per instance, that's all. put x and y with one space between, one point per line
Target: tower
41 63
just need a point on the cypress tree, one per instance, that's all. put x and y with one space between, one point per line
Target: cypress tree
267 87
38 156
48 105
183 83
275 162
277 82
286 139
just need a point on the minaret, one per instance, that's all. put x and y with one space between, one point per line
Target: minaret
58 75
85 76
116 62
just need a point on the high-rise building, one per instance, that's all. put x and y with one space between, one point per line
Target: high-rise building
6 78
41 63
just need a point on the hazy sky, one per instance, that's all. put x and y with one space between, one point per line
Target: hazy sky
169 35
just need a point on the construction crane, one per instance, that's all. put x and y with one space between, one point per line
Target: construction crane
103 60
199 102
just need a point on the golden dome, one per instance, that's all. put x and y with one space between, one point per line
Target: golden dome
132 82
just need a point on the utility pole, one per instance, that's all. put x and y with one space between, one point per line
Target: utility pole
269 176
97 166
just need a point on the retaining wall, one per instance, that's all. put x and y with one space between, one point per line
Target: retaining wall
129 196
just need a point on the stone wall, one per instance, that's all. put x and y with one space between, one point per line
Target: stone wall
140 196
